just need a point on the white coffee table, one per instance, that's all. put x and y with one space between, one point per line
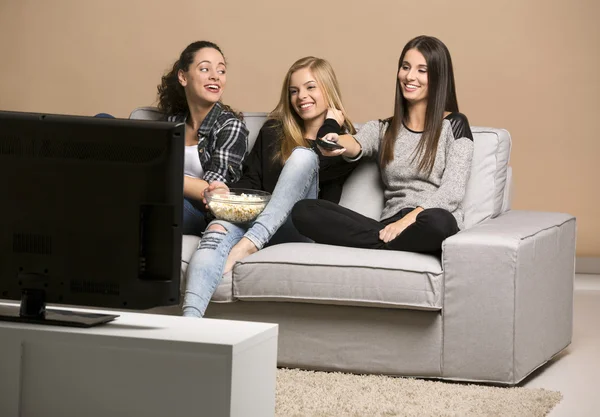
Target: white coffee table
139 365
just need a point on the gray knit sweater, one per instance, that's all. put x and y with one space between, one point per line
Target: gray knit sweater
405 186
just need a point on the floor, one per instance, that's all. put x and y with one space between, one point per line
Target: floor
575 371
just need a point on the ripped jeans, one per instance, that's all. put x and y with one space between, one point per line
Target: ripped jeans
299 180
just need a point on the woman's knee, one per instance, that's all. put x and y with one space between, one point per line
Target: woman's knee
304 157
440 222
212 236
216 227
219 226
301 212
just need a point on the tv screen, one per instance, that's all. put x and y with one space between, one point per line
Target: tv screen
91 212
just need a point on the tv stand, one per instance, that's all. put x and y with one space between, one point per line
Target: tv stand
33 310
139 365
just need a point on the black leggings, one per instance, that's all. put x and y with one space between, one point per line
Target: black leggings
330 223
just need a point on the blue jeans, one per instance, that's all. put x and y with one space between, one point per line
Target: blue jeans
299 180
194 219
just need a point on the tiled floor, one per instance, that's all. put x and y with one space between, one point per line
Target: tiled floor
576 370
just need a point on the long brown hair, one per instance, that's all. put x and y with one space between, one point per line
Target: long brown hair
441 98
292 131
171 94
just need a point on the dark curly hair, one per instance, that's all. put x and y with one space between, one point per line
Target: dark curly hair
171 95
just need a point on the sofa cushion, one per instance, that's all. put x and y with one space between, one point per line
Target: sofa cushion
189 244
485 189
146 113
363 190
253 122
322 274
507 201
224 292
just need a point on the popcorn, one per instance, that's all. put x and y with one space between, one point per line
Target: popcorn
234 210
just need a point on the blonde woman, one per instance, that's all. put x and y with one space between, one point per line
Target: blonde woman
285 162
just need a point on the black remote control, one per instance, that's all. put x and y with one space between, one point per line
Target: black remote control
330 146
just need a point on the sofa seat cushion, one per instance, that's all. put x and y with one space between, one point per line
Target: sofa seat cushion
322 274
224 292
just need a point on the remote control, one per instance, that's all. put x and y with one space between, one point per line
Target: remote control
330 146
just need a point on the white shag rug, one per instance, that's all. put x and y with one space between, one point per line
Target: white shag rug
307 393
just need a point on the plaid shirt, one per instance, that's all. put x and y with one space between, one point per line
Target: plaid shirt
222 144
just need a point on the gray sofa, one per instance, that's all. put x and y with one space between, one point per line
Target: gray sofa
495 307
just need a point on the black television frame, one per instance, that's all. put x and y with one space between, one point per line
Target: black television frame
91 215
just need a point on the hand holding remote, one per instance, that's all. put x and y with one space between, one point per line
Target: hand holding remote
328 145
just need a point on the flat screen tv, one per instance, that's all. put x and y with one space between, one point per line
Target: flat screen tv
90 216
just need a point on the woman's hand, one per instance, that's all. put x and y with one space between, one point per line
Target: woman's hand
213 186
393 230
336 114
331 137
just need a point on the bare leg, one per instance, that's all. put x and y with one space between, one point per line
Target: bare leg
243 248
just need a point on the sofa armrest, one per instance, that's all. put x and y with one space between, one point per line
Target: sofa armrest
508 295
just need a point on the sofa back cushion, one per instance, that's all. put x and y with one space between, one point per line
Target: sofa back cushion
485 192
363 190
485 195
254 122
146 113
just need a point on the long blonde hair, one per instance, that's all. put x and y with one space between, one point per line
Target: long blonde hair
292 134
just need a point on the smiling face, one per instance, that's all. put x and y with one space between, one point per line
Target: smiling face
205 78
413 77
306 95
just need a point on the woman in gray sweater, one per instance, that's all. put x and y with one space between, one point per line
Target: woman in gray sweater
424 153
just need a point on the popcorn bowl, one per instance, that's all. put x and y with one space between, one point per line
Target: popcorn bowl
236 205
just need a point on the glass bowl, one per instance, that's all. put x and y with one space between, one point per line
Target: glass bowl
236 205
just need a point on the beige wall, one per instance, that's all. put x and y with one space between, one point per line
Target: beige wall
530 66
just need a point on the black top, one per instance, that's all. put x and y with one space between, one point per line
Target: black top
261 170
460 125
458 122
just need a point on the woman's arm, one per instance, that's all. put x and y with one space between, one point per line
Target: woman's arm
363 143
194 187
331 130
350 147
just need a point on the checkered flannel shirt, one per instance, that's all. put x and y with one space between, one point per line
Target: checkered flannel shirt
222 144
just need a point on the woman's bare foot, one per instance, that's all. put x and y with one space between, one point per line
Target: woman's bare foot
241 249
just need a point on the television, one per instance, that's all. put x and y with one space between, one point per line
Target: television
91 215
